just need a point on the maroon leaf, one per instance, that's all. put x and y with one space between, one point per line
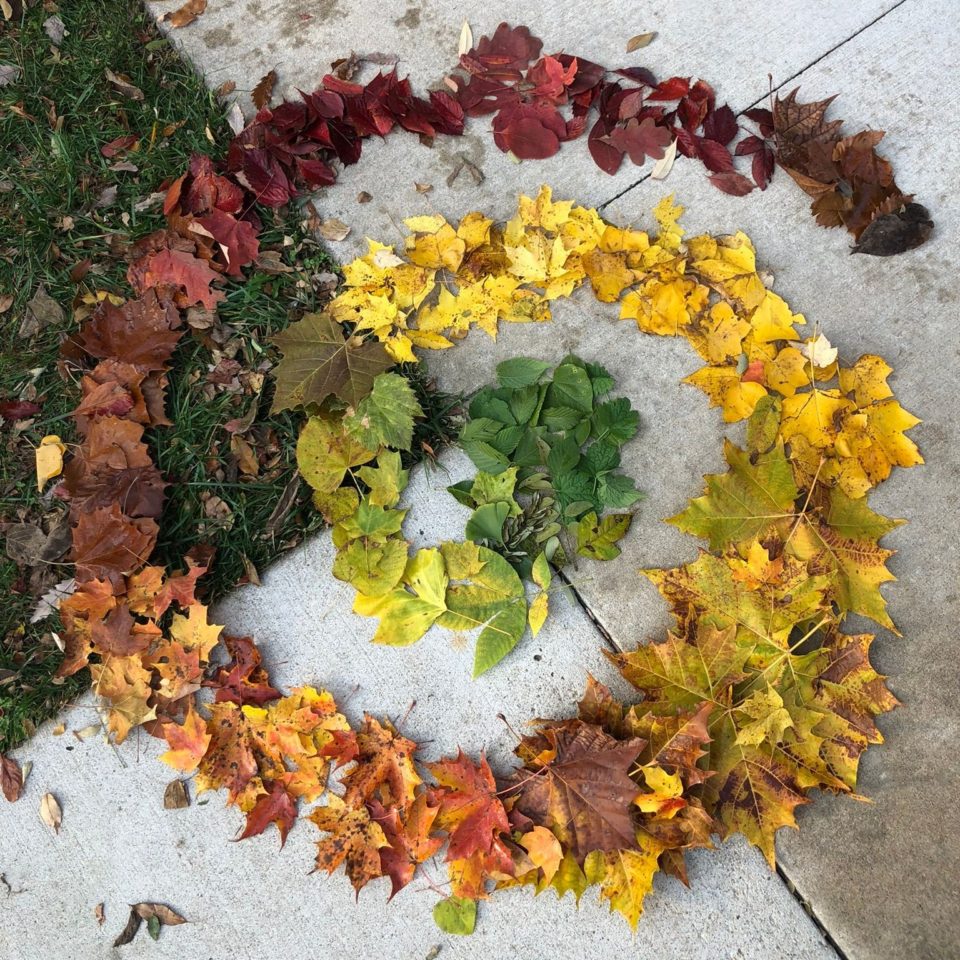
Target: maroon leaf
715 156
605 155
638 75
17 409
641 140
736 184
763 164
720 125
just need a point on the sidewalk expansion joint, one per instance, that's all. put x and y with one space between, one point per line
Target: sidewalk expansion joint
773 90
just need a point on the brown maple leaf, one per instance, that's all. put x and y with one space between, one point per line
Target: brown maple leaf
244 679
583 793
108 545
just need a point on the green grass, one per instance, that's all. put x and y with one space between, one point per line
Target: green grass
53 121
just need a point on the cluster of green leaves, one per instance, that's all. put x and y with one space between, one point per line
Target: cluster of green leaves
548 451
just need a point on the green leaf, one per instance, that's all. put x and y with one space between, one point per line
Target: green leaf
573 487
486 522
319 361
338 505
615 421
564 456
369 521
153 927
385 417
492 488
744 503
484 591
520 371
597 539
764 424
461 492
480 428
387 481
571 388
371 568
617 491
507 439
455 915
524 403
487 405
560 418
601 457
600 379
486 457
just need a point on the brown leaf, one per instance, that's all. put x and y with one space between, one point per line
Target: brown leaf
50 812
263 91
99 914
640 40
147 911
182 17
11 778
893 233
124 85
581 790
333 229
175 795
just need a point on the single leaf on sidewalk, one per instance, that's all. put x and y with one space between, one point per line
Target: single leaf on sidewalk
50 812
11 778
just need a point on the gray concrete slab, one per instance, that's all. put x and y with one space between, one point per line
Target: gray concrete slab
251 900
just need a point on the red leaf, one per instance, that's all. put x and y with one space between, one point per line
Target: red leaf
642 139
672 89
17 409
184 270
470 809
243 680
638 75
606 156
529 131
754 372
715 156
236 237
276 807
736 184
763 118
720 125
118 145
763 164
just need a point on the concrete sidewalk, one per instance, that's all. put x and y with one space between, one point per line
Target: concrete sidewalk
881 878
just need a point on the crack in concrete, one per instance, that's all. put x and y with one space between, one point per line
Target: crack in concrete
772 90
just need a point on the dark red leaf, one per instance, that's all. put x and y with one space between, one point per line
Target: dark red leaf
736 184
605 155
17 409
118 145
763 118
763 164
715 156
638 75
720 125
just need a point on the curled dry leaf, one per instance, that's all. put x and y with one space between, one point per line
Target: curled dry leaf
175 795
11 778
665 164
50 812
49 458
466 39
186 14
99 914
156 912
263 91
640 40
334 230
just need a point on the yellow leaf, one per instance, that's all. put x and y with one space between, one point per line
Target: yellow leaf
725 389
544 850
49 456
625 876
537 614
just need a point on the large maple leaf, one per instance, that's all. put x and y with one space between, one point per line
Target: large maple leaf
107 545
583 792
319 361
